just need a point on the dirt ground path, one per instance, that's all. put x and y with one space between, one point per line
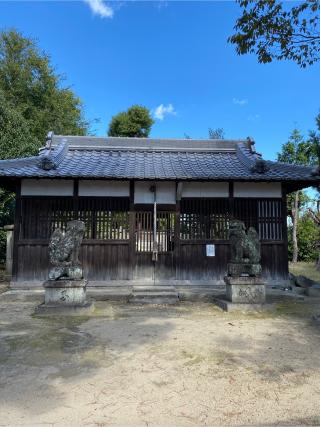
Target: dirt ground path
189 365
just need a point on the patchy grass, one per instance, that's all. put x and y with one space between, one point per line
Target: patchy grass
306 269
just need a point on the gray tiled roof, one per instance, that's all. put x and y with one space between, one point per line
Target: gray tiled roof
124 158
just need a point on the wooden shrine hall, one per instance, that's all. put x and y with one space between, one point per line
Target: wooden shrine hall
155 210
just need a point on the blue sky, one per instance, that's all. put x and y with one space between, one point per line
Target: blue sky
174 55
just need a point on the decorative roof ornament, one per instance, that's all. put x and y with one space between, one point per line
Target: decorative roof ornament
260 166
52 157
49 139
46 163
315 171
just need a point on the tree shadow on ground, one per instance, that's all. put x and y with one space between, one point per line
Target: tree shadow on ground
284 351
37 353
40 350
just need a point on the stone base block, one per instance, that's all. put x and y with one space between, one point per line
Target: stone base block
74 272
237 269
313 291
245 290
65 292
231 306
65 310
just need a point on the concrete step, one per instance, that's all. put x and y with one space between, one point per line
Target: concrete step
153 288
154 295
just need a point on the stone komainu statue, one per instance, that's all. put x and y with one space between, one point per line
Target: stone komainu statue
245 247
64 251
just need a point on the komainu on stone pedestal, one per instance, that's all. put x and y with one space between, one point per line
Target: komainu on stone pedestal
65 291
245 250
64 251
244 284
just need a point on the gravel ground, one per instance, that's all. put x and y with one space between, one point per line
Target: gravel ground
187 365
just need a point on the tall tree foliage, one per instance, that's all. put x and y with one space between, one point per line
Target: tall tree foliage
308 236
135 122
295 151
314 149
33 89
217 133
16 139
32 102
272 30
314 143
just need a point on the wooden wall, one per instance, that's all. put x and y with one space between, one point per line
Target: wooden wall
110 261
195 265
114 256
101 261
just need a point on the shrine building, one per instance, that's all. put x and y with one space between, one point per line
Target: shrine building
155 210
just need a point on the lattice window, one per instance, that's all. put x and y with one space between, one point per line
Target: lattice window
265 215
41 216
246 210
270 219
208 219
144 231
204 219
104 218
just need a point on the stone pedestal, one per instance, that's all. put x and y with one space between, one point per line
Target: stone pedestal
237 269
65 297
245 290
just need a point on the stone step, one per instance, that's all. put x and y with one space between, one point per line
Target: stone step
154 295
153 289
155 299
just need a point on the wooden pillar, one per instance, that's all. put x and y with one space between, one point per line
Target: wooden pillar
16 233
9 249
177 246
132 243
231 199
285 228
76 199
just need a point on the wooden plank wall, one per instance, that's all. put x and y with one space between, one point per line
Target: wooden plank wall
104 261
195 265
116 259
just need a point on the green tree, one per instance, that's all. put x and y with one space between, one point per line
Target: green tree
273 30
135 122
32 102
16 139
31 86
217 133
308 236
314 143
295 151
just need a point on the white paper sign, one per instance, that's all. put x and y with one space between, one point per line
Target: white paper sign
211 250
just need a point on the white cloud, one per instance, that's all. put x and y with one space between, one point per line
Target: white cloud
164 110
240 102
253 117
162 4
99 8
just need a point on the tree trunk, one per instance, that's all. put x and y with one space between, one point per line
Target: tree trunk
295 217
318 264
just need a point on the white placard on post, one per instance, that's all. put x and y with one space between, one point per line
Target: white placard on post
211 250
